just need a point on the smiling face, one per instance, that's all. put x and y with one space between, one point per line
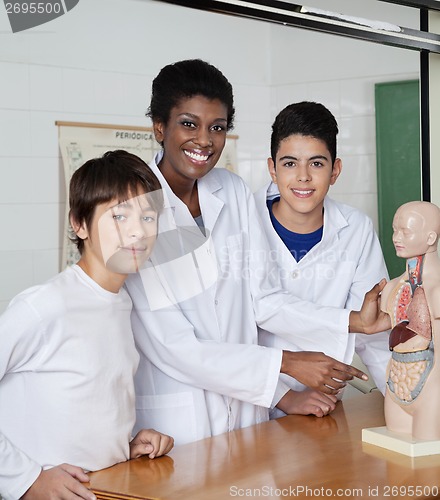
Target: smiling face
193 139
303 172
120 239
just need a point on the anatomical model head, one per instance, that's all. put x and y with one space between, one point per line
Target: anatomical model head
416 229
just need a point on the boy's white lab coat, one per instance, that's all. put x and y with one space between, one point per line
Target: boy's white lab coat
337 272
201 371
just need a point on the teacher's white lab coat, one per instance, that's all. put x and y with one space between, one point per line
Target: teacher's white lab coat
201 371
337 272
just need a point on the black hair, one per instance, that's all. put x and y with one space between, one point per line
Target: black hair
116 175
308 119
186 79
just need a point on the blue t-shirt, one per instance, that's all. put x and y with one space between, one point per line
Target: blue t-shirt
298 244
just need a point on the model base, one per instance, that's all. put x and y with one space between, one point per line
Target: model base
400 443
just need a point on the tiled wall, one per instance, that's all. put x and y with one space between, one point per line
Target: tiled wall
95 64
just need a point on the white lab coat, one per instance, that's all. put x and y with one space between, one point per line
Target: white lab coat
337 272
201 371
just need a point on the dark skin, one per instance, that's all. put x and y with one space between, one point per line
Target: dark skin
327 374
193 140
307 402
322 401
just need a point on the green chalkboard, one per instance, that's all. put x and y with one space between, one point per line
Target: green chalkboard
398 158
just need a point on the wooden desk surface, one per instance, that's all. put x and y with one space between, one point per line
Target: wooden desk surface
292 456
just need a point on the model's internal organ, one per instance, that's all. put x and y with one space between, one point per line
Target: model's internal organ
412 316
406 377
410 339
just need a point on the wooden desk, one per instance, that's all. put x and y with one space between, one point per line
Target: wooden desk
293 456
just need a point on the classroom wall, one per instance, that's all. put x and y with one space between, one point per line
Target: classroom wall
95 64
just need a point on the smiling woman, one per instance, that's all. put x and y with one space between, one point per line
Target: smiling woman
193 137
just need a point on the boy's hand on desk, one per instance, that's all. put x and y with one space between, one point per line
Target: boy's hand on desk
308 402
370 319
150 442
318 371
62 482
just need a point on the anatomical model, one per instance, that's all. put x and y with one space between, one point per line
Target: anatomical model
412 400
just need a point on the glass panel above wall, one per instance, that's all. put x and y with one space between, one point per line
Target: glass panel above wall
328 21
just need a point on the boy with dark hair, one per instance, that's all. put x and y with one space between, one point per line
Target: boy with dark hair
68 357
327 252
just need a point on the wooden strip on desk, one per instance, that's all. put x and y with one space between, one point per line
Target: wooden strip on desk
103 495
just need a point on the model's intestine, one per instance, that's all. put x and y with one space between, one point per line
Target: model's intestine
405 377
